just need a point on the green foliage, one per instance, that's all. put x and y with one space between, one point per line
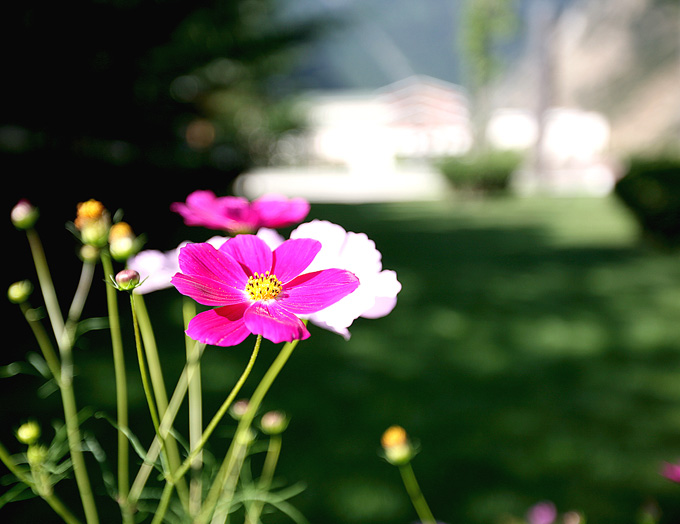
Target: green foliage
485 173
487 23
650 188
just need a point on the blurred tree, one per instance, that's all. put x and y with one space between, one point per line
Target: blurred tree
485 25
144 85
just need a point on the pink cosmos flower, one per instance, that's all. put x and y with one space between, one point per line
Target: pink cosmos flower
355 252
542 513
257 290
238 215
671 471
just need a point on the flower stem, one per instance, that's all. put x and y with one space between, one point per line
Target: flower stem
416 495
270 461
165 426
217 417
121 388
158 386
221 411
55 502
225 482
195 413
144 375
64 337
163 504
46 284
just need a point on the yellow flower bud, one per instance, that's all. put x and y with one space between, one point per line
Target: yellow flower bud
29 432
122 241
93 222
19 292
397 447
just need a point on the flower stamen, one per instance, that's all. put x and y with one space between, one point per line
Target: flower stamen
263 287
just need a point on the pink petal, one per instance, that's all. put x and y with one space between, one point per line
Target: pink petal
210 276
223 326
274 323
207 291
293 256
251 252
313 292
278 211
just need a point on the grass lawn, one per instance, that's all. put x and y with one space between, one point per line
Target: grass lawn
534 354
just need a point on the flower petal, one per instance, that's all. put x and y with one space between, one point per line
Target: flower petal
274 323
293 256
278 211
251 252
312 292
209 276
222 326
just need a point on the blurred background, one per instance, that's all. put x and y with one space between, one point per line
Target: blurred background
515 161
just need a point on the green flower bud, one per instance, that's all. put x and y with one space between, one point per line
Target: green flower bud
127 280
89 253
19 292
28 433
274 422
37 455
24 215
238 409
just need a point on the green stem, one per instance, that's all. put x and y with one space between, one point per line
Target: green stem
43 342
144 374
163 504
55 502
121 388
166 424
221 411
225 483
195 413
416 495
158 386
46 284
270 461
64 337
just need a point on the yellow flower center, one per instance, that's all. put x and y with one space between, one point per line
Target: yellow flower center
263 287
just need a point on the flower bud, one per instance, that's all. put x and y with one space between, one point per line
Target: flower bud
238 409
89 253
28 433
274 422
93 222
37 455
397 447
19 292
127 279
122 241
24 215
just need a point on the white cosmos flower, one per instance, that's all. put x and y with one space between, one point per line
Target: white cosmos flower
376 295
156 268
